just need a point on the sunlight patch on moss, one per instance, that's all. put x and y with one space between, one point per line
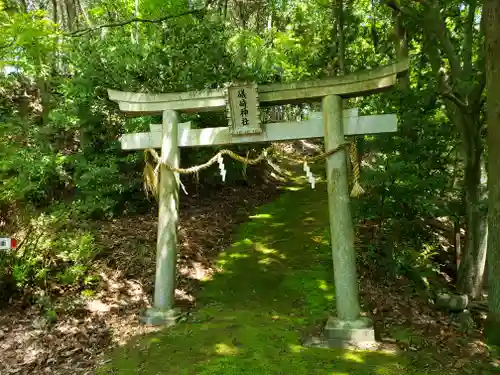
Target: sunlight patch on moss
320 240
264 250
261 216
267 261
322 284
238 256
354 357
221 262
389 352
292 188
224 349
296 348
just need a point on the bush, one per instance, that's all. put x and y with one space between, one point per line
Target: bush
54 251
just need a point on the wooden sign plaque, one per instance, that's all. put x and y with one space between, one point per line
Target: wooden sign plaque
242 103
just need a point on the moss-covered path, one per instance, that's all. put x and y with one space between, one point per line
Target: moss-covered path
273 288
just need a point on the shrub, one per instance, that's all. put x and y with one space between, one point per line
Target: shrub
54 251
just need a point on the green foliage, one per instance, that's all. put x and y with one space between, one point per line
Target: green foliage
55 251
29 40
60 133
410 176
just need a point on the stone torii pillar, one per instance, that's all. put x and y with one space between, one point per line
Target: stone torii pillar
333 123
168 217
348 328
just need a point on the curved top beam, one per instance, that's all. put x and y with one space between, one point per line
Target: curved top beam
351 85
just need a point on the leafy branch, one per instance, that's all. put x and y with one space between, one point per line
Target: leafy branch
438 25
8 45
87 30
410 12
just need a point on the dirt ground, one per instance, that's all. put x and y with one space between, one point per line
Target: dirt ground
87 326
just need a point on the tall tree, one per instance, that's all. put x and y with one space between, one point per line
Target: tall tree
457 64
492 55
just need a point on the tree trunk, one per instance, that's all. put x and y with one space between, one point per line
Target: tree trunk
470 273
401 46
23 6
457 242
54 11
491 12
71 14
467 119
83 12
341 39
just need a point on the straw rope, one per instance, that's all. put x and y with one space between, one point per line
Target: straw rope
151 173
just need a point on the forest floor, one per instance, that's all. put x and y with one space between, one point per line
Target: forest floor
255 278
90 322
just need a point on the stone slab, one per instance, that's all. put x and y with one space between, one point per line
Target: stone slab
158 317
357 334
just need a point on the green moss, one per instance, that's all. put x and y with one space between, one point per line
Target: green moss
275 285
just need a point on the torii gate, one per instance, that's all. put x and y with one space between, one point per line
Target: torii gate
333 123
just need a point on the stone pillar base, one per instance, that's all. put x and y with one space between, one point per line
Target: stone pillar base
159 317
356 334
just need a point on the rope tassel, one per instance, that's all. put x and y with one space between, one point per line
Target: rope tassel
220 159
357 190
310 176
150 173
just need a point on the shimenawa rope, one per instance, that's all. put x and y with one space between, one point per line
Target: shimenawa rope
151 174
